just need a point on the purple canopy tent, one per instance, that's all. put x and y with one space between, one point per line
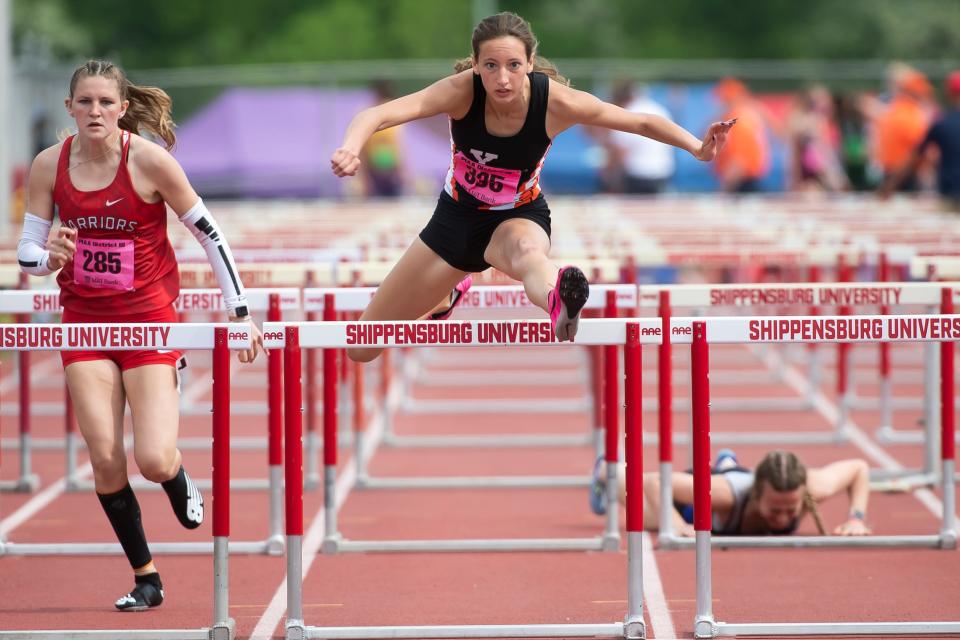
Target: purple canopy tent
262 143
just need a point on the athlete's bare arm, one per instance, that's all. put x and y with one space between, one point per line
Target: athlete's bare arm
451 96
567 107
157 174
43 174
852 476
160 172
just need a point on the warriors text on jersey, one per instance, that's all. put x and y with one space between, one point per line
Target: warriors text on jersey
494 172
124 262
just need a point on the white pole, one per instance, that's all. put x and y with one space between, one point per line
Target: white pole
6 125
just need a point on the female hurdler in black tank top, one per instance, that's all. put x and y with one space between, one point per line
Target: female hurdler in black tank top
491 179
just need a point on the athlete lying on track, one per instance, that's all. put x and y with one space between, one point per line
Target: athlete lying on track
772 500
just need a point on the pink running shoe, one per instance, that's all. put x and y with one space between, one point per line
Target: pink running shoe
566 300
455 297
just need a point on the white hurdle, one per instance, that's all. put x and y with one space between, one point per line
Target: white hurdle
331 335
220 338
431 333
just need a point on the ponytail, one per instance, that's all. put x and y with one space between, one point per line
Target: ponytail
149 109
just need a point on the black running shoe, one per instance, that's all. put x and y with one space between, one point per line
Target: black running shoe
566 300
147 593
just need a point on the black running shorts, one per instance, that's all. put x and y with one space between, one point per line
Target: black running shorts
460 234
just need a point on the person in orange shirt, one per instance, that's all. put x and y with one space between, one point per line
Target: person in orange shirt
902 126
746 158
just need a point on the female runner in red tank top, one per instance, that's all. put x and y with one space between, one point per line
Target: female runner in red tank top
505 104
110 189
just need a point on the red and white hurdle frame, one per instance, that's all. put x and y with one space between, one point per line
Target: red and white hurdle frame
925 328
802 329
72 337
274 302
849 295
25 302
220 338
533 333
477 333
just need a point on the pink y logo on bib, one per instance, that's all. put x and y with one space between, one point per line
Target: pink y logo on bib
491 185
104 264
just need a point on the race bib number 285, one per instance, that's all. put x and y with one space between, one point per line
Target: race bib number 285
104 263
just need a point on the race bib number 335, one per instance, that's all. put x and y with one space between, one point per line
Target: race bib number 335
492 185
104 263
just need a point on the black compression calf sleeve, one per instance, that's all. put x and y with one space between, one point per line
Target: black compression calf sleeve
123 511
185 499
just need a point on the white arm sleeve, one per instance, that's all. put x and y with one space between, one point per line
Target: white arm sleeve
204 228
31 250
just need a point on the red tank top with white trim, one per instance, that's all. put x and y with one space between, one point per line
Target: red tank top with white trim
124 261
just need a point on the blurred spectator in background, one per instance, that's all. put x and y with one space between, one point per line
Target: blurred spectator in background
636 164
383 176
40 135
746 159
901 126
854 141
945 135
814 143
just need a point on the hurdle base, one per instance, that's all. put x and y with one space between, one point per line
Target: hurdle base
948 540
113 549
340 545
834 628
223 630
891 435
275 545
295 630
478 482
486 441
611 542
601 630
673 542
410 406
23 484
108 634
332 544
814 436
635 630
705 627
139 483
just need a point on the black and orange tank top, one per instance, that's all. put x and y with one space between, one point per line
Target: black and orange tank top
497 172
